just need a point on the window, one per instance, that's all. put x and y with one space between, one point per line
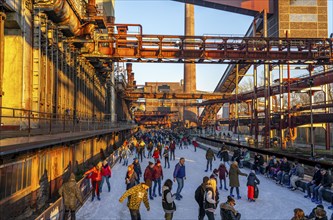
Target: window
14 177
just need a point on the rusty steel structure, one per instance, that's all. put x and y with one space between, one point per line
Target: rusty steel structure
156 118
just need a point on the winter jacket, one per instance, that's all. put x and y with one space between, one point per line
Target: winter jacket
130 179
136 195
210 199
137 169
156 154
199 195
259 160
234 172
252 180
326 181
148 177
210 154
285 167
173 146
158 172
299 171
228 212
94 174
246 156
106 170
225 155
317 177
222 171
125 153
179 171
166 153
70 192
168 203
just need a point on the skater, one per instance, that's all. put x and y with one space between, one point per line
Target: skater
228 212
156 154
166 157
172 150
209 157
223 174
157 177
141 149
96 177
195 144
131 177
136 195
150 148
225 155
106 175
125 155
148 177
199 197
168 203
210 199
252 182
137 169
70 192
234 173
179 174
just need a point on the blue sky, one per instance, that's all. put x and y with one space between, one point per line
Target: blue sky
167 17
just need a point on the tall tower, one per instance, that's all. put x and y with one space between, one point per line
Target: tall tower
190 113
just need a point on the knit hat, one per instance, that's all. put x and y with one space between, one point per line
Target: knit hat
150 163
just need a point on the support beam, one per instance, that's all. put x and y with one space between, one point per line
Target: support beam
2 54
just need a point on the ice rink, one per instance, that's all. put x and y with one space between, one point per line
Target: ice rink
274 202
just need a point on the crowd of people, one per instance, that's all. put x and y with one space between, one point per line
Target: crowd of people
159 145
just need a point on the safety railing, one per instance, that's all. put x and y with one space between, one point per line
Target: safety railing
21 122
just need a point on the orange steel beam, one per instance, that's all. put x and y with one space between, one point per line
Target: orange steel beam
158 95
302 83
210 49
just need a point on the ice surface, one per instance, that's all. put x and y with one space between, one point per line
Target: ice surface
274 202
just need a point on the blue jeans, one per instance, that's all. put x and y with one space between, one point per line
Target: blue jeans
166 161
316 192
281 176
107 179
180 182
320 193
158 181
310 187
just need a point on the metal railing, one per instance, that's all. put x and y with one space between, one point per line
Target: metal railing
27 122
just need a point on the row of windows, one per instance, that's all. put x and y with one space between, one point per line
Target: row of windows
14 178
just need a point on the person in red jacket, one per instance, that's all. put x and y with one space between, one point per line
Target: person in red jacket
96 177
156 154
223 174
172 149
106 175
148 177
158 176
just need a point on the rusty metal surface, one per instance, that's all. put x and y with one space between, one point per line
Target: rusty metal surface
133 95
211 49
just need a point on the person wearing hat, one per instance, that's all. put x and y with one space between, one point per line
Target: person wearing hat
209 157
148 177
70 192
168 198
166 157
157 177
131 177
136 195
96 177
137 169
199 197
316 179
312 215
252 182
227 210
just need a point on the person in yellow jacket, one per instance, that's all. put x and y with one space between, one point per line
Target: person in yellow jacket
136 195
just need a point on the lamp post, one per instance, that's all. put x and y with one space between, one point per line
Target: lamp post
310 83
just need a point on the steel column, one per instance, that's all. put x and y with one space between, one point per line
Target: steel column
267 92
2 54
282 142
113 96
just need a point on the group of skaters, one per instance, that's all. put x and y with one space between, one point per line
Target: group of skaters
147 185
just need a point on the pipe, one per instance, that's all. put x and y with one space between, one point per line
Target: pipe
2 54
65 16
130 75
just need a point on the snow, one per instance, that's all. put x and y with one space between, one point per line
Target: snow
274 202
